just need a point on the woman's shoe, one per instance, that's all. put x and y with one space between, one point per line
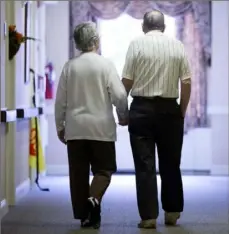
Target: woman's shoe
94 213
85 223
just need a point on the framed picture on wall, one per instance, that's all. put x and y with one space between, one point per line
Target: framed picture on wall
27 42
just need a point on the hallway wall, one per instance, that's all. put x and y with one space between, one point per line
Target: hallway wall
218 87
204 148
3 207
57 44
15 182
22 99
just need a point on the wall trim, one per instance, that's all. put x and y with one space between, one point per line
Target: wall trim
62 170
3 208
220 170
22 189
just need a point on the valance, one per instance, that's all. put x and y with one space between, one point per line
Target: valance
86 10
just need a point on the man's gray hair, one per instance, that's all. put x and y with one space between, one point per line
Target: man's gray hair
154 20
86 36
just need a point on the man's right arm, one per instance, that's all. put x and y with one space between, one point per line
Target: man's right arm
128 70
118 93
185 78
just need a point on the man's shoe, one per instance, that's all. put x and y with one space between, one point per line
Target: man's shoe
148 224
171 218
94 213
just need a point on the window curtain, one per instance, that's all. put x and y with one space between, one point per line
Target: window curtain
199 62
193 29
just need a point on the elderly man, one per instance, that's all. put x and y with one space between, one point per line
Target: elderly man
88 86
154 66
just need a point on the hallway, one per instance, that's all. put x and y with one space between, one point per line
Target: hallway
206 209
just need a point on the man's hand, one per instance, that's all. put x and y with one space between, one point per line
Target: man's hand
61 136
183 113
185 95
123 122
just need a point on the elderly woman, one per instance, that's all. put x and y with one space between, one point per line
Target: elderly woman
88 86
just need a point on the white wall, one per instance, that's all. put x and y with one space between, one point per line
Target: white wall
57 52
219 78
14 135
57 35
3 203
218 87
201 149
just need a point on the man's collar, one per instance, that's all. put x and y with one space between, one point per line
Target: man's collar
153 32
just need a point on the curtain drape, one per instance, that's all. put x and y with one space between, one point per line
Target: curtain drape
193 29
197 109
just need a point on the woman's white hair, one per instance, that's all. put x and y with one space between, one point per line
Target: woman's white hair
86 36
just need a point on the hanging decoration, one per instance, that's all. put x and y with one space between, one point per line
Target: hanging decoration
15 41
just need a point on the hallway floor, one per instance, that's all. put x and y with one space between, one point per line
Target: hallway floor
206 209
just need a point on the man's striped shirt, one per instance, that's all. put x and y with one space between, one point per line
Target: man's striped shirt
156 63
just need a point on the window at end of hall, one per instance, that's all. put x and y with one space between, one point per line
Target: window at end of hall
116 35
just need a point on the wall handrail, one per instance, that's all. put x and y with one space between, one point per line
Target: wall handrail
12 115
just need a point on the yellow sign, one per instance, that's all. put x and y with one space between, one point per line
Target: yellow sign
33 154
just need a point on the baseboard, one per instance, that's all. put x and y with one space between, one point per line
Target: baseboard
22 189
184 172
3 208
62 170
220 170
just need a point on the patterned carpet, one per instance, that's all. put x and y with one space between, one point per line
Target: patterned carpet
206 209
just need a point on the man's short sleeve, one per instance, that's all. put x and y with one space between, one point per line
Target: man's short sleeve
128 70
